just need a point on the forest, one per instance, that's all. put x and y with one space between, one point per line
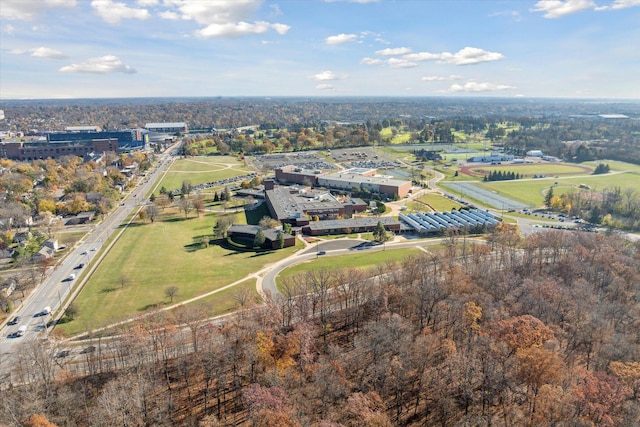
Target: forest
530 331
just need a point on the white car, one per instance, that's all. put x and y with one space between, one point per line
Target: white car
71 277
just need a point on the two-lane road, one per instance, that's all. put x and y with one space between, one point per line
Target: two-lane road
59 283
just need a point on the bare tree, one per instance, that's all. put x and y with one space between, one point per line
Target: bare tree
152 212
171 292
185 205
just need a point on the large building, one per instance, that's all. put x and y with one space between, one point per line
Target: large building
21 150
366 179
131 139
297 206
358 178
173 127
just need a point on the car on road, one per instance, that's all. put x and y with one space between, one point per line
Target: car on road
45 311
84 253
20 332
71 277
14 321
94 249
79 266
322 252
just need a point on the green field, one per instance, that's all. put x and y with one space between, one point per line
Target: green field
435 201
529 170
530 191
199 170
362 259
151 257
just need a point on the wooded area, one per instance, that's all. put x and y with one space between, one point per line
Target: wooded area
542 331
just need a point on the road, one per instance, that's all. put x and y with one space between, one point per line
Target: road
58 285
267 282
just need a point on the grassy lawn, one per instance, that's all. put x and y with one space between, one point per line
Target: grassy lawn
436 201
225 302
363 259
150 258
199 170
530 170
531 191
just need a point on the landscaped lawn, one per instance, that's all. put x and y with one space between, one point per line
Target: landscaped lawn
150 257
361 259
199 170
436 201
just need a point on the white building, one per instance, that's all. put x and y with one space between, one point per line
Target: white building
535 153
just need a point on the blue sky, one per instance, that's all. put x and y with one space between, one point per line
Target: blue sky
158 48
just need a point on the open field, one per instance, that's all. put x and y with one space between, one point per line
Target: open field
362 259
150 257
199 170
225 302
527 170
530 191
434 201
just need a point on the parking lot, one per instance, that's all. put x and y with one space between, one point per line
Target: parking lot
306 160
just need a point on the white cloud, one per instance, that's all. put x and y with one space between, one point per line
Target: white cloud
101 65
26 10
401 63
473 86
238 29
147 3
422 56
17 51
341 38
465 56
440 78
114 12
471 55
390 51
620 4
558 8
328 75
168 14
371 61
225 18
9 29
47 52
325 87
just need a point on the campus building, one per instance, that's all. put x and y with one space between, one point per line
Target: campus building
358 178
246 234
130 139
351 225
296 205
21 150
172 127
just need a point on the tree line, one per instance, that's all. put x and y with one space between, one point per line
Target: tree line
515 332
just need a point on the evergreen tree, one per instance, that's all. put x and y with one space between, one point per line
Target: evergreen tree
547 197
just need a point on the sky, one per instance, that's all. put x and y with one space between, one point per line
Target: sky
184 48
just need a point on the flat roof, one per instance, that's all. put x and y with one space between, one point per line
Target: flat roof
288 205
345 176
166 125
352 223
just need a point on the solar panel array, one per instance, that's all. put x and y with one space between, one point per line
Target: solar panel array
434 222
